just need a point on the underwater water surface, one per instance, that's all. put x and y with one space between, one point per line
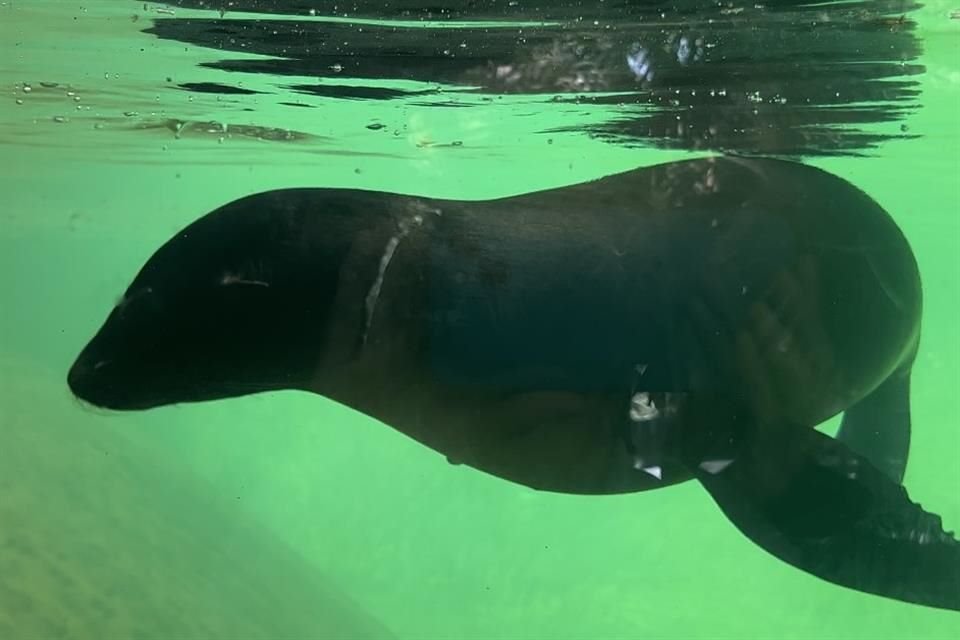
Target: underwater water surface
287 515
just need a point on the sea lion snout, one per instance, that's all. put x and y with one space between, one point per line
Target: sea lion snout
104 379
80 378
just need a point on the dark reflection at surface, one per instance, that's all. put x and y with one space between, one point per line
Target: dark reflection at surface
786 77
217 130
356 93
213 87
544 10
690 320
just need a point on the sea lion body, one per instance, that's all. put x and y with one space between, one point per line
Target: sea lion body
692 319
525 325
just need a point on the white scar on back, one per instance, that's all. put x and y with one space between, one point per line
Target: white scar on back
391 248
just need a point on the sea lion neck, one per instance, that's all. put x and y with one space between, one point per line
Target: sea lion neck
378 301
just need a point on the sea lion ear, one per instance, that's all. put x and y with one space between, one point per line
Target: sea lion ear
822 508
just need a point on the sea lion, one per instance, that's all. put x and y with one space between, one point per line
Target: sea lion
693 319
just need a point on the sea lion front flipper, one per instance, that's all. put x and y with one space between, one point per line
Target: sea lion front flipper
878 427
827 510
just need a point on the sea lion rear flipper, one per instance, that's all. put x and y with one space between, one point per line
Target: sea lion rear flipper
831 513
878 427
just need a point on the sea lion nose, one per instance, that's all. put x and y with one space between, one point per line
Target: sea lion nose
78 377
83 375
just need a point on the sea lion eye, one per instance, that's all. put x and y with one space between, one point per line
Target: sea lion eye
229 278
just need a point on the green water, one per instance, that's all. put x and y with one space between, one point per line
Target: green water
283 515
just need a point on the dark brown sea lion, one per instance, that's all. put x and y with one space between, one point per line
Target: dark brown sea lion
688 320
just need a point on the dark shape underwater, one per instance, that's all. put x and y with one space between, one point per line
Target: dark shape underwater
691 320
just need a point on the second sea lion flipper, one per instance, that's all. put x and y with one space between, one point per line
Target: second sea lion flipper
878 427
828 511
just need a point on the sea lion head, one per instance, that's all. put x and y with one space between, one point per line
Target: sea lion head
236 303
